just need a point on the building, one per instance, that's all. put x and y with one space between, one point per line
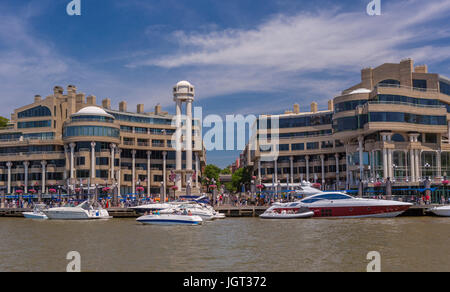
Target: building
392 126
69 143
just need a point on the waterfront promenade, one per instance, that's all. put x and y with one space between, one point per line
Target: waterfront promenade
228 210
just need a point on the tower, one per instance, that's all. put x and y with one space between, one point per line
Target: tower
183 92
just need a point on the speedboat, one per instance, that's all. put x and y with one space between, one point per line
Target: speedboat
37 213
170 219
85 211
193 209
152 207
287 211
443 211
340 205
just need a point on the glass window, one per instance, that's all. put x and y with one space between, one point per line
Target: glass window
39 111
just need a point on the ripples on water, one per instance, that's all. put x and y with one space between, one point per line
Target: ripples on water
244 244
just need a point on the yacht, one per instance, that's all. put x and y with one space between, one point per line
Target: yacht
287 211
340 205
194 209
85 211
443 211
170 219
37 212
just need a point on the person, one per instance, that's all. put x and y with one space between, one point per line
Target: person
189 213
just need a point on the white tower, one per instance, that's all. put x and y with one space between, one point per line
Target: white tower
183 92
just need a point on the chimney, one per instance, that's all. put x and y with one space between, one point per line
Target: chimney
331 105
421 69
91 100
71 90
296 109
140 109
106 103
37 98
123 106
314 107
157 109
80 98
58 91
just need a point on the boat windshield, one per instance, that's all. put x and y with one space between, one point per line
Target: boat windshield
329 197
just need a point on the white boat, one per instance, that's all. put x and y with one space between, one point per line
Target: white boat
337 204
287 211
37 212
85 211
443 211
193 209
170 219
153 207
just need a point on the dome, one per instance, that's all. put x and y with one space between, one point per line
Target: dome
184 83
360 90
92 110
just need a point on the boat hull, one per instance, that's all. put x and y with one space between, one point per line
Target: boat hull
441 211
170 220
31 215
64 215
359 211
287 216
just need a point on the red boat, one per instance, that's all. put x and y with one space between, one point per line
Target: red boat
340 205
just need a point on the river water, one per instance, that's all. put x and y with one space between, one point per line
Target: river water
238 245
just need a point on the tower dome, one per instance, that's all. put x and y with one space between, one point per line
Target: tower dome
92 111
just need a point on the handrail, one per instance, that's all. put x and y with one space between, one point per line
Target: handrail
406 87
406 103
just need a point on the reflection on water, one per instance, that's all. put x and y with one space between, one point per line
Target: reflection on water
244 244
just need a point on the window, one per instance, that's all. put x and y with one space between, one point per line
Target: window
91 131
348 105
312 145
284 147
102 161
389 82
81 160
34 124
419 84
444 87
298 146
39 111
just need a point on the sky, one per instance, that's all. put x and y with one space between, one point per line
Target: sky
243 57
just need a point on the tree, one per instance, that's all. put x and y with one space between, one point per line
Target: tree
242 176
211 172
3 122
225 171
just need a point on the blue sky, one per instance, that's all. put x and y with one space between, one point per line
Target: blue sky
244 57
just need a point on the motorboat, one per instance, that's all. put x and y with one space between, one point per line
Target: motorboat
193 209
287 211
37 212
443 211
340 205
152 207
170 219
217 215
85 211
307 190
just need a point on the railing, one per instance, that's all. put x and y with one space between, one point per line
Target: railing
406 87
32 153
405 103
158 144
128 142
143 143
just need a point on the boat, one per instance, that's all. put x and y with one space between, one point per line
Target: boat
85 211
193 209
37 212
443 211
170 219
287 211
340 205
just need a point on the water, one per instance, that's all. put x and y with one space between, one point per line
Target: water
243 244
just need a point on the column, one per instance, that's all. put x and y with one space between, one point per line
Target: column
113 147
72 168
188 141
179 156
149 167
336 156
197 170
385 164
259 171
25 166
438 162
390 168
43 163
133 171
119 172
417 162
307 168
347 171
361 157
322 160
164 176
275 171
291 160
9 165
93 160
412 166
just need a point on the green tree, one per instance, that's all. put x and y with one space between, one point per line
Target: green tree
3 122
225 171
211 172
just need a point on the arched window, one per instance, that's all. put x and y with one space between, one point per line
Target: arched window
39 111
389 82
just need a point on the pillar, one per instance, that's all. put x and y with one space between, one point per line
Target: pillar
291 161
25 166
259 171
385 164
133 171
307 168
188 141
390 168
178 132
336 156
164 176
412 165
361 157
417 163
322 160
9 165
149 167
72 167
275 171
119 173
93 160
197 170
43 163
438 162
113 147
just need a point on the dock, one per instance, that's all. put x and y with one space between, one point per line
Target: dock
229 211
